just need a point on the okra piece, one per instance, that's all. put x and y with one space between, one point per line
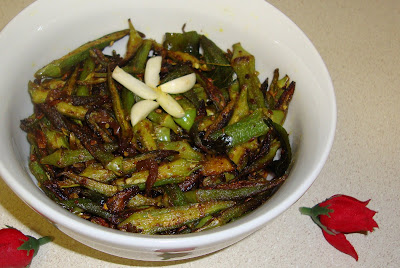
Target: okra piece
277 116
274 91
281 166
129 164
240 153
200 93
128 100
244 65
159 220
64 157
55 139
118 202
134 42
97 172
251 126
232 213
234 90
59 67
163 119
137 64
102 188
183 147
117 108
241 107
69 86
213 92
88 206
178 168
36 168
182 57
141 200
38 93
285 98
216 165
204 195
221 119
175 195
144 131
88 67
264 160
160 182
96 149
69 110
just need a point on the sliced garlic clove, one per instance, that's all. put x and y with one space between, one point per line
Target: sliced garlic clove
170 105
141 110
134 84
152 72
179 85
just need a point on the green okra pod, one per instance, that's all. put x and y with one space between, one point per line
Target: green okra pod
102 188
159 220
175 195
183 147
117 107
163 119
64 157
244 65
204 195
97 172
134 42
251 126
141 200
232 213
144 131
88 206
67 109
88 67
177 168
138 63
241 107
70 85
59 67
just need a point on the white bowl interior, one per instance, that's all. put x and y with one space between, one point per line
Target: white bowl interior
48 29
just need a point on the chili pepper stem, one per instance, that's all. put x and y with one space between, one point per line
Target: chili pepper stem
314 212
45 239
305 211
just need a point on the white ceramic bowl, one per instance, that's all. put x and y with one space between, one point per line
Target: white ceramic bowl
49 29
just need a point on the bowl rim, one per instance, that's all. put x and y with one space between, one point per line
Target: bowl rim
60 216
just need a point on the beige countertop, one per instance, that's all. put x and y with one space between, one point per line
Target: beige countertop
359 41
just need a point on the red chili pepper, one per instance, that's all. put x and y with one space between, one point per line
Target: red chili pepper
340 242
340 215
350 215
17 249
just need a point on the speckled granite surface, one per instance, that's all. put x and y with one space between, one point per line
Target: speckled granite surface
359 41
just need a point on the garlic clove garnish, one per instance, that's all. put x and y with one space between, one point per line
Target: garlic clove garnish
169 104
134 84
141 110
152 71
179 85
149 90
